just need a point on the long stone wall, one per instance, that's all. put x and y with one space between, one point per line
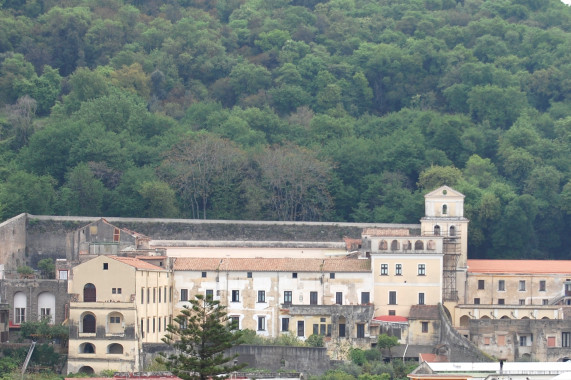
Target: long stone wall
33 237
307 360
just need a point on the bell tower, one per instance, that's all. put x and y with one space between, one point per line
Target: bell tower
444 217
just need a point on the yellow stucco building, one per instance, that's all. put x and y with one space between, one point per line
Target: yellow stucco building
118 304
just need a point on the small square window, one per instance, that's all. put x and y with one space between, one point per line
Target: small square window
332 275
545 301
476 301
249 274
294 275
203 274
105 266
392 312
501 301
522 302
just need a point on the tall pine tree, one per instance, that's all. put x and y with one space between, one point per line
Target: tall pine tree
200 336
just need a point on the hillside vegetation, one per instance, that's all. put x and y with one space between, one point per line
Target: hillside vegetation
340 110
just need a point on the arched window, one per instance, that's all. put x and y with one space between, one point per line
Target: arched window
87 370
437 230
86 348
406 245
419 245
395 245
431 245
20 305
452 231
383 246
46 306
444 209
89 293
88 323
115 323
485 317
505 317
115 348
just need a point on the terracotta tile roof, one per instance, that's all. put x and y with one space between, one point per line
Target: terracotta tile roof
433 358
424 312
136 263
520 266
273 264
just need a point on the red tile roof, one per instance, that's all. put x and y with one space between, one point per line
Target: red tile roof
136 263
520 266
273 264
433 358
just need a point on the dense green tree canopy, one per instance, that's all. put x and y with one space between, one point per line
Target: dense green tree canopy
292 110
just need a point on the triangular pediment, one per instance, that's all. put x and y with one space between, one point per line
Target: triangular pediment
444 191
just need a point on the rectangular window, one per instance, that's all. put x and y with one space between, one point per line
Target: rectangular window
105 266
523 341
235 296
392 298
142 328
522 285
360 330
566 339
501 340
203 274
542 285
154 295
342 330
159 323
501 301
285 324
113 290
261 296
300 328
331 275
481 284
154 321
522 302
384 269
421 269
313 298
487 340
149 295
209 294
148 325
235 322
322 328
165 293
184 294
261 323
476 301
63 275
142 295
287 296
365 298
315 329
398 269
545 302
424 327
45 312
249 274
329 329
392 312
339 298
421 298
294 275
501 285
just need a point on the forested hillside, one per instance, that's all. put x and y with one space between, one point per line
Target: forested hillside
340 110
